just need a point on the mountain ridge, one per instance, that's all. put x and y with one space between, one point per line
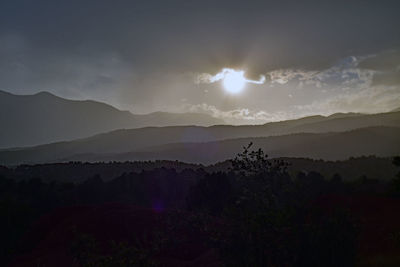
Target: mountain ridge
378 140
50 118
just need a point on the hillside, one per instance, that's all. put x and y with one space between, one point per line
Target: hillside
379 141
28 120
45 118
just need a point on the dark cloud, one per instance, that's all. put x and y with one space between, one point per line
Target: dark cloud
206 34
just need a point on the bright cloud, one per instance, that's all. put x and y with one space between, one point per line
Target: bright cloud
239 115
345 72
283 76
208 78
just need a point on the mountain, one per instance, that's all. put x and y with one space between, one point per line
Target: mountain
148 144
28 120
344 122
44 116
378 141
136 139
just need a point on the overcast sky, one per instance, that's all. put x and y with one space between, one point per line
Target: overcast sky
318 57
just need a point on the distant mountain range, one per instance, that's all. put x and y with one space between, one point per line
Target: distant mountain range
378 141
45 118
42 118
333 137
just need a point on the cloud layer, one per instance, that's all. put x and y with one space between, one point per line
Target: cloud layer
300 58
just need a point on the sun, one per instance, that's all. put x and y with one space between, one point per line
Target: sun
234 81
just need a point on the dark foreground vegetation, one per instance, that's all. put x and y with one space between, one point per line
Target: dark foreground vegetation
255 212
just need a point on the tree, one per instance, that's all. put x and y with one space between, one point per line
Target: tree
261 221
261 179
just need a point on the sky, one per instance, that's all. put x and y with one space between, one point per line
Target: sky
304 57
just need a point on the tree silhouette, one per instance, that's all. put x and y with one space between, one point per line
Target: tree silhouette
261 179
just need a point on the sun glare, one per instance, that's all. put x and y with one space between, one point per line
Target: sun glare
234 81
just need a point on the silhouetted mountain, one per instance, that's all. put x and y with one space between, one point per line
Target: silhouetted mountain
84 117
348 121
395 110
43 118
379 141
